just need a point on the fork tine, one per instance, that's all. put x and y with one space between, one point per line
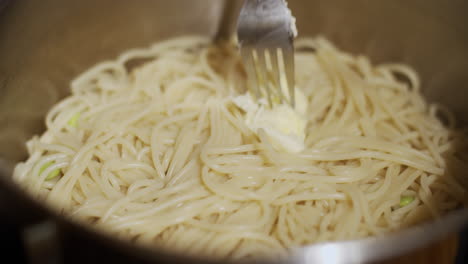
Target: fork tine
288 58
248 61
267 25
262 74
276 73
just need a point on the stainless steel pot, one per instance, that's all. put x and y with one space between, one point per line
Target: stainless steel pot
43 44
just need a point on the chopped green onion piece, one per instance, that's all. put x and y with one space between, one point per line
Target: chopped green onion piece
405 200
73 122
52 174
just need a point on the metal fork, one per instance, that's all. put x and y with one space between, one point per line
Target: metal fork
266 31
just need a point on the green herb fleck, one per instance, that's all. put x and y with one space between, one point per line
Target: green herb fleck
405 200
52 174
73 122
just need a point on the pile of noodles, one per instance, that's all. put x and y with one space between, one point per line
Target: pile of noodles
150 147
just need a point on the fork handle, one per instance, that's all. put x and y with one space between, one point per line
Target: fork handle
230 12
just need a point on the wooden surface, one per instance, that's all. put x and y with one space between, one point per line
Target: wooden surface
443 252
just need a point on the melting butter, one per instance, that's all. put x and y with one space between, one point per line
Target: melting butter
284 126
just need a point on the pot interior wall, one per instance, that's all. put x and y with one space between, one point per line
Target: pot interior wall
44 44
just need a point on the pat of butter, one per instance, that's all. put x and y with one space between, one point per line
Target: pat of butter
283 125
